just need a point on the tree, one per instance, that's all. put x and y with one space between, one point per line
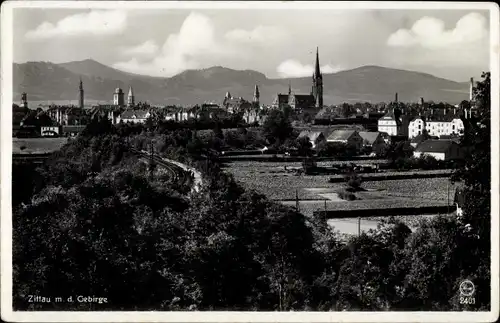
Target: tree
277 127
475 174
304 147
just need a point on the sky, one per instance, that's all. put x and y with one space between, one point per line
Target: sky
452 44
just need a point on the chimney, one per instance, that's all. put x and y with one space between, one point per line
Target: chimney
422 101
471 89
396 97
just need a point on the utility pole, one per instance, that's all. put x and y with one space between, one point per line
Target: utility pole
151 161
448 195
297 200
359 226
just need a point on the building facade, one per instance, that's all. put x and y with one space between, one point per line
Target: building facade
436 126
389 124
118 97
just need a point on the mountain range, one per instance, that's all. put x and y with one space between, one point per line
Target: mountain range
50 82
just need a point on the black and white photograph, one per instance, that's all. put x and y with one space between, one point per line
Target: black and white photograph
267 160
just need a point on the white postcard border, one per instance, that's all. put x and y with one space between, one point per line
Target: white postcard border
6 164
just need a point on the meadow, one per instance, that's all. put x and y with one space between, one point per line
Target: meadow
37 145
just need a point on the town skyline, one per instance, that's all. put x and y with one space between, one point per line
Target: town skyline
395 39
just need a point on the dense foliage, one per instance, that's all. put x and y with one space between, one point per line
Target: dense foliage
96 223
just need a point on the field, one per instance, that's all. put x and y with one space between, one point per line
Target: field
37 145
271 180
316 193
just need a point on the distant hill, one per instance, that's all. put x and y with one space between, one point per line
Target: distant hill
45 81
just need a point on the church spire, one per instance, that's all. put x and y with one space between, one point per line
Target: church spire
317 72
256 93
289 88
130 97
318 83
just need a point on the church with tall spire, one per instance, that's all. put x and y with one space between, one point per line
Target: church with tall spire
301 102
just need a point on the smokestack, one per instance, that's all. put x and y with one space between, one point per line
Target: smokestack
396 97
422 101
471 89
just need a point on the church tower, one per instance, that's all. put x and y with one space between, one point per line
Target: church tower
118 97
318 83
80 96
256 96
130 98
24 100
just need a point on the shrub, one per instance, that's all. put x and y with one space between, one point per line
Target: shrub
346 195
353 181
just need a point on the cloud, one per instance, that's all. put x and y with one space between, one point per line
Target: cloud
260 34
95 22
293 68
193 44
429 32
147 48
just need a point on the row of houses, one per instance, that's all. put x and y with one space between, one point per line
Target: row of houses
350 137
440 149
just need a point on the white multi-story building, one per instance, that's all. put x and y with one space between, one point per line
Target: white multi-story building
436 126
389 124
134 116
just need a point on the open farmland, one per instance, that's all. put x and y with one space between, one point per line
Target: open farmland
270 179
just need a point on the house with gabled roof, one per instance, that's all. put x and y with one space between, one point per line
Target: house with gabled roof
346 137
439 149
315 137
372 139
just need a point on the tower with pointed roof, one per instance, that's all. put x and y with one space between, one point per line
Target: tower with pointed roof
317 90
130 98
256 96
289 88
80 95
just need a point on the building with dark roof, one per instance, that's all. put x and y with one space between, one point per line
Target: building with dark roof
439 149
346 137
372 139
